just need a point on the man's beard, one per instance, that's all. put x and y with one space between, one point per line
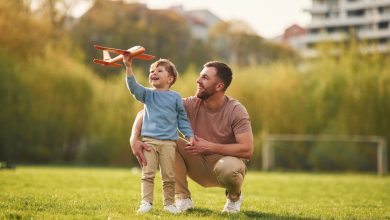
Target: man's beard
204 94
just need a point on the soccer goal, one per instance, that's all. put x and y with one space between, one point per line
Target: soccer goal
268 149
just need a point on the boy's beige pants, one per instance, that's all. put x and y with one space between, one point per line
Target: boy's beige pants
209 171
162 153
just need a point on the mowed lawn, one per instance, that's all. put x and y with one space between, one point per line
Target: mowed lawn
113 193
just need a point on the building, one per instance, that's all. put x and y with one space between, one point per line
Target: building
200 21
294 36
336 20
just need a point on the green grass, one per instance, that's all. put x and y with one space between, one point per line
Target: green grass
105 193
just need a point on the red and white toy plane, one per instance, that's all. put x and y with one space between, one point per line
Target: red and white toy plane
135 52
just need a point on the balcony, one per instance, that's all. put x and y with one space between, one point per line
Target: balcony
349 22
374 34
315 38
365 4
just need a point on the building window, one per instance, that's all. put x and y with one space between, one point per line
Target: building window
384 10
314 31
356 13
331 29
383 40
383 25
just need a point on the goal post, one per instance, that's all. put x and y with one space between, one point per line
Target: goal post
268 150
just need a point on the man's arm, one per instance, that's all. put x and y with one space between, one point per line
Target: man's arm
243 148
183 123
138 146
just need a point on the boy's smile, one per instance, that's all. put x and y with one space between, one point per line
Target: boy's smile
154 78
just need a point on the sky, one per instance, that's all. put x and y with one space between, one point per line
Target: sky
268 18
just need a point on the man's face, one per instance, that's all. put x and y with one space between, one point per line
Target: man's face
207 83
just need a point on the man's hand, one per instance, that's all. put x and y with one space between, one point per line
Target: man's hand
199 146
138 148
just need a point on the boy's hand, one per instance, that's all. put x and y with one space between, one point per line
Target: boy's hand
127 60
190 141
199 146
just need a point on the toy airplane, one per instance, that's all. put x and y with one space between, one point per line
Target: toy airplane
135 52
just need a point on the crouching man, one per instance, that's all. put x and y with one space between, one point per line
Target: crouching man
223 143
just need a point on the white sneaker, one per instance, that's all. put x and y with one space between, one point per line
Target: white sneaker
172 209
184 204
233 207
145 207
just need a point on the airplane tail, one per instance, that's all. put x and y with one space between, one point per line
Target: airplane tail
106 55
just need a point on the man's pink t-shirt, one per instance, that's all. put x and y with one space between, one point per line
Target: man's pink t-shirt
220 126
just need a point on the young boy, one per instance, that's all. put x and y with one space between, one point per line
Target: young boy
164 113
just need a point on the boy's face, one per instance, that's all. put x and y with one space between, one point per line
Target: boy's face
160 78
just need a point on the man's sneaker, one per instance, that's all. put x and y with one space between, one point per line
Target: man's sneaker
145 207
171 208
233 207
184 204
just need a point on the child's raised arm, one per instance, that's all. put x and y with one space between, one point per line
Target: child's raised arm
127 61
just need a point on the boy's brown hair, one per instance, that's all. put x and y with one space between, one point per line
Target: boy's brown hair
169 66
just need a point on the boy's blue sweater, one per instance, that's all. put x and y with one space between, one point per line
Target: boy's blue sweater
164 112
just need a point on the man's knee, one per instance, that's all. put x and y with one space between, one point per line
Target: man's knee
229 170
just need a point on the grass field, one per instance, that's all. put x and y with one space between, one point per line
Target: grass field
112 193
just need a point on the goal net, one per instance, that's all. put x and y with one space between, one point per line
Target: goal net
270 141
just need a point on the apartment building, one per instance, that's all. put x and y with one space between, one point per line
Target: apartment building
333 20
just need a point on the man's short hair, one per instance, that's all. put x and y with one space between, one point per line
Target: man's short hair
169 66
223 72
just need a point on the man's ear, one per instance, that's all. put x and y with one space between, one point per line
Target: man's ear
220 86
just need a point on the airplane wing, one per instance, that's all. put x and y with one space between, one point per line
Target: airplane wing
136 50
105 63
144 56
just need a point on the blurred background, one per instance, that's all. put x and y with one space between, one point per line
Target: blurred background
327 75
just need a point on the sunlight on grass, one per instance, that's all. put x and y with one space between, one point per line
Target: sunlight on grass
113 193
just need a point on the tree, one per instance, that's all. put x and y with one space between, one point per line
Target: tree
236 43
23 34
118 24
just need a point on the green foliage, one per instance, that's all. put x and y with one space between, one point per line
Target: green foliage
10 111
346 94
56 109
22 34
93 193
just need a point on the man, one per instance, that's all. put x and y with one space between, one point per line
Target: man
223 143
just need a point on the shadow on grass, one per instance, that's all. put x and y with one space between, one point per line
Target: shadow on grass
261 215
204 212
201 212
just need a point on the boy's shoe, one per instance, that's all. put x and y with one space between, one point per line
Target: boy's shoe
172 209
233 207
144 208
184 204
